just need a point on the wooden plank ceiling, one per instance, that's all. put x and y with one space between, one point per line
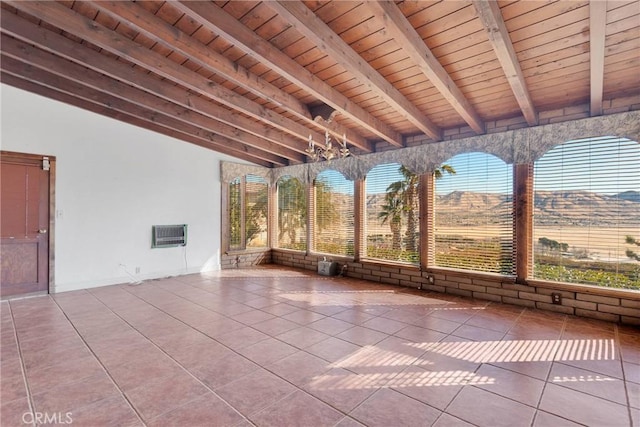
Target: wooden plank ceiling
254 79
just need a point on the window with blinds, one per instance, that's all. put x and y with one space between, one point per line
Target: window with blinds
235 214
392 213
333 214
587 213
474 214
256 212
248 211
292 214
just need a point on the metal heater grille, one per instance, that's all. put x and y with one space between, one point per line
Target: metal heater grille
166 236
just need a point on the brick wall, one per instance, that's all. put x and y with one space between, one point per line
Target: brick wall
244 259
618 306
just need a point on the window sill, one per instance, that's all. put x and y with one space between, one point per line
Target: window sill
587 289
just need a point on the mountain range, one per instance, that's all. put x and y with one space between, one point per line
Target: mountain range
552 208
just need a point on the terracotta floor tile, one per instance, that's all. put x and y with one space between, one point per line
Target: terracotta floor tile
332 349
633 392
472 405
142 370
16 413
362 336
252 317
435 388
208 410
437 324
583 408
298 409
404 315
302 337
459 315
12 387
303 317
113 411
299 368
218 328
447 420
610 368
193 355
545 419
385 325
509 384
538 370
71 396
164 394
493 323
279 309
275 326
340 388
242 338
589 382
477 334
49 356
219 372
390 408
349 422
632 371
356 317
309 350
64 372
123 351
330 326
267 351
420 335
255 391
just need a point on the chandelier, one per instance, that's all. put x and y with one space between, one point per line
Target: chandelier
327 152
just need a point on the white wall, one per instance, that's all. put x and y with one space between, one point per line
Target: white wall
114 181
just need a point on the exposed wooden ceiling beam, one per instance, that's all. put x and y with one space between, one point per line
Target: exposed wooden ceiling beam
122 94
166 34
597 33
306 22
44 88
491 17
398 27
220 22
47 40
89 30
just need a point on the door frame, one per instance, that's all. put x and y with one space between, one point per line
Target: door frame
33 158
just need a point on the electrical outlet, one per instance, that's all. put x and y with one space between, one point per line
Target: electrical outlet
137 270
556 298
432 280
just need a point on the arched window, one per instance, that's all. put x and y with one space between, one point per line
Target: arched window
333 214
587 213
474 214
392 213
248 212
292 214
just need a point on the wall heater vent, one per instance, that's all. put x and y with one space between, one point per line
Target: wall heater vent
167 236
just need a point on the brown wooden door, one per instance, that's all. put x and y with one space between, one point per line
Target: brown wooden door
24 225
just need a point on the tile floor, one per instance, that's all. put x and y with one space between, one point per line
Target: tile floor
278 347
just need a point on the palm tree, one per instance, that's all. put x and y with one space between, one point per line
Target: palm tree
406 191
392 212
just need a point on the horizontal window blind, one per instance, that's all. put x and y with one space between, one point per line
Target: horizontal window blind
392 213
587 213
235 214
292 214
474 214
334 214
256 211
